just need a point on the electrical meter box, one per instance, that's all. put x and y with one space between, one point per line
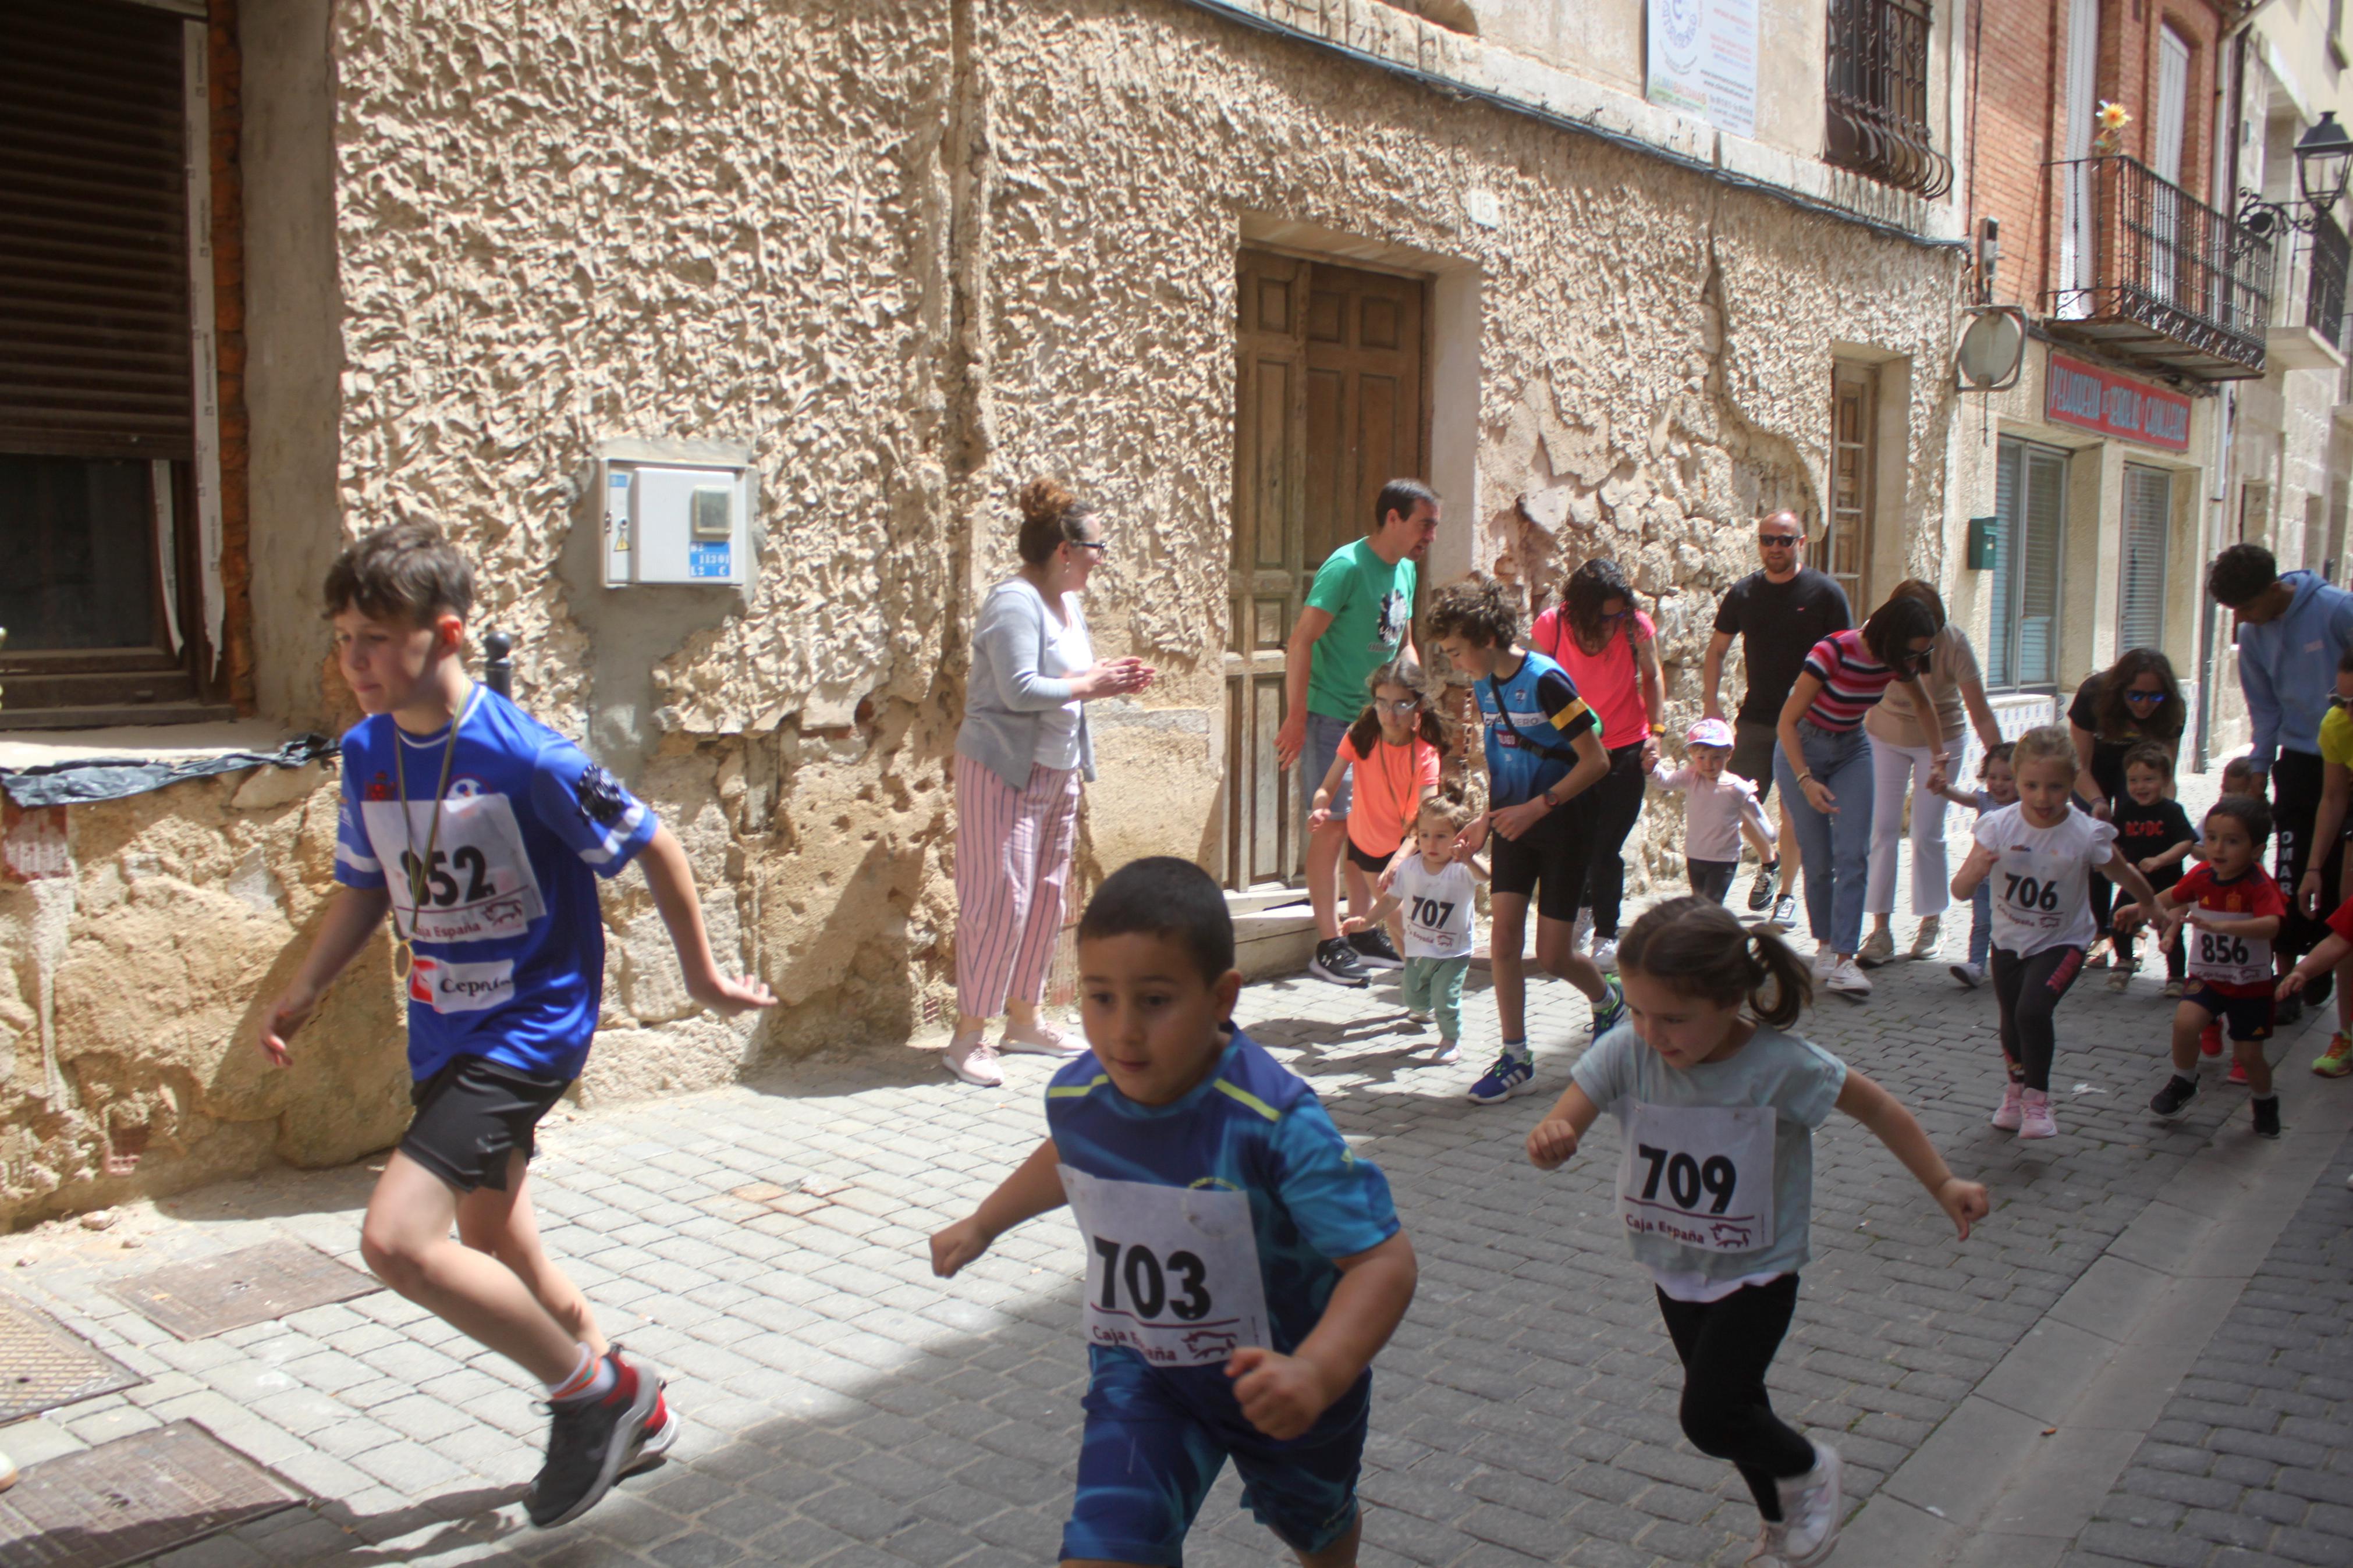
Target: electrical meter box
677 525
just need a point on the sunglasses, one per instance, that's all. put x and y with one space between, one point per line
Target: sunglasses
2144 696
1779 540
1101 547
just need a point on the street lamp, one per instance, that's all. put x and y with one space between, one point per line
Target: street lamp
2323 158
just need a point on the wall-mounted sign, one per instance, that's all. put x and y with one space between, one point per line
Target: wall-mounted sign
2089 398
1703 60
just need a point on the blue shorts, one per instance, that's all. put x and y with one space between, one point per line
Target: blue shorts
1151 1453
2244 1018
1324 734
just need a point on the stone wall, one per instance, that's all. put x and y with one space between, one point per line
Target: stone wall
910 257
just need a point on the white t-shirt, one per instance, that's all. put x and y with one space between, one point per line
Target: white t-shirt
2040 879
1713 810
1437 908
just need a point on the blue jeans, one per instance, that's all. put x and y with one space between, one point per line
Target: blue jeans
1834 848
1321 749
1981 922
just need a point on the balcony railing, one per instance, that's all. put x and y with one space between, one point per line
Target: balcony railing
1878 96
2149 271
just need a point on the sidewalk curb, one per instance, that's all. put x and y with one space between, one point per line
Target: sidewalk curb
2098 1372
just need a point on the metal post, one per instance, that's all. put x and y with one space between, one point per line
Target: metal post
498 670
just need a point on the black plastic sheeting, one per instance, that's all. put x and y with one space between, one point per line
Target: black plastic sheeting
90 779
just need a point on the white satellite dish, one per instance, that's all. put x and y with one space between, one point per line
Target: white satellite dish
1993 350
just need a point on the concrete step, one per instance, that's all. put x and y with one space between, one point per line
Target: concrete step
1276 941
1265 896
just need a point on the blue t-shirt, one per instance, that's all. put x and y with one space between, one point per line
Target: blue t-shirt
1252 1133
509 945
1533 751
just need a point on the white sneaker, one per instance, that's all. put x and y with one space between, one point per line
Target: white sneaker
1605 953
1582 932
1878 948
1042 1039
1847 978
1769 1546
972 1059
1969 975
1785 914
1825 958
1812 1506
1924 942
2034 1118
1449 1053
2012 1109
7 1473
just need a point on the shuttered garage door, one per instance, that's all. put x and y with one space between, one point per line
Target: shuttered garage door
2148 515
94 331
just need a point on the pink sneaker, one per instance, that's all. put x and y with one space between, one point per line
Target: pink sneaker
2034 1115
1041 1039
2007 1114
972 1059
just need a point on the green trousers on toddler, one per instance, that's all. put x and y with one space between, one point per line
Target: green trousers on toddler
1435 985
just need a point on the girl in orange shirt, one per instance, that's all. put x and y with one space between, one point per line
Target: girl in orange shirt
1396 748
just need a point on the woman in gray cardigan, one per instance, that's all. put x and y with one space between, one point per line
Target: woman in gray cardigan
1020 755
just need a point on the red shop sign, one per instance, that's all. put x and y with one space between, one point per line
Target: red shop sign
2093 399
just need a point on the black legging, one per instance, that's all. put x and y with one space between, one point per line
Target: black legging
2296 801
2029 990
1611 806
1726 1347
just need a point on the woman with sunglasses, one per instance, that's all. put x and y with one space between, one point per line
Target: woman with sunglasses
1611 651
1825 774
2133 701
1021 752
1904 743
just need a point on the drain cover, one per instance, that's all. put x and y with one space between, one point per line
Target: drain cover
43 1364
128 1500
211 1296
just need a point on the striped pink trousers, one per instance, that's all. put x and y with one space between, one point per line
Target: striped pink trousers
1012 864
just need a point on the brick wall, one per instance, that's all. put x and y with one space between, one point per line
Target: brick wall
226 76
2019 104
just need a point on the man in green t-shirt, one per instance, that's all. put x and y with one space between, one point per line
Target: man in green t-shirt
1360 616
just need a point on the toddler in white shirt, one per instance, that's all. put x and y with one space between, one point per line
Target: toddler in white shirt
1719 809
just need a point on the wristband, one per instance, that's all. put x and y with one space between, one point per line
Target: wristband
1658 731
1804 779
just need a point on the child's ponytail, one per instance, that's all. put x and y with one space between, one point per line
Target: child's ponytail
1699 948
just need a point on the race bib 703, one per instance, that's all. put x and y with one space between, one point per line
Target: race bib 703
1172 1272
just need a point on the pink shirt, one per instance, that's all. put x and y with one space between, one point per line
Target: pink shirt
1610 681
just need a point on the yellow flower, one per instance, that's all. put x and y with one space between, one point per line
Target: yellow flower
2114 117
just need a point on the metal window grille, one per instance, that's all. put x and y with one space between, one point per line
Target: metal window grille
1878 120
2324 297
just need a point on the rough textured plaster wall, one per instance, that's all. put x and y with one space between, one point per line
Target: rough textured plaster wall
565 223
132 986
1655 361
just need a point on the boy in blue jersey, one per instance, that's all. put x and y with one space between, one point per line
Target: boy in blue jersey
1543 750
499 827
1244 1266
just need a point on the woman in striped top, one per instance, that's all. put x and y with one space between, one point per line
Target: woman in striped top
1824 768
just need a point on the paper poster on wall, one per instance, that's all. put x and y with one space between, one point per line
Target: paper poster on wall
1703 60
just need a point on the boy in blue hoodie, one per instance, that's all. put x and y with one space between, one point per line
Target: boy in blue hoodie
2293 630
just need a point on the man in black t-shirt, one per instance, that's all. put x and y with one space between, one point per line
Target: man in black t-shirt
1780 613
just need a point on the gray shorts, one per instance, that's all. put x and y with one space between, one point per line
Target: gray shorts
1323 737
1753 746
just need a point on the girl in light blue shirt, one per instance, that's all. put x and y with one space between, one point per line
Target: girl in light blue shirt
1716 1106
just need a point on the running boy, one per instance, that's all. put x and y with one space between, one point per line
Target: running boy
1244 1265
2000 790
1717 1108
2237 910
499 827
2154 832
1543 749
2040 855
1435 888
1719 810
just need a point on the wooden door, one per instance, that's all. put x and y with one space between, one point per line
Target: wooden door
1854 463
1328 408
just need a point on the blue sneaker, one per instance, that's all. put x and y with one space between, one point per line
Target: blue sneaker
1611 1011
1511 1075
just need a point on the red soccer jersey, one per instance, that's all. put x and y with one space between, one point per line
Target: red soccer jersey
2233 964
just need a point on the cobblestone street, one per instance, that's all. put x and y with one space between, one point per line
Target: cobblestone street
765 1246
